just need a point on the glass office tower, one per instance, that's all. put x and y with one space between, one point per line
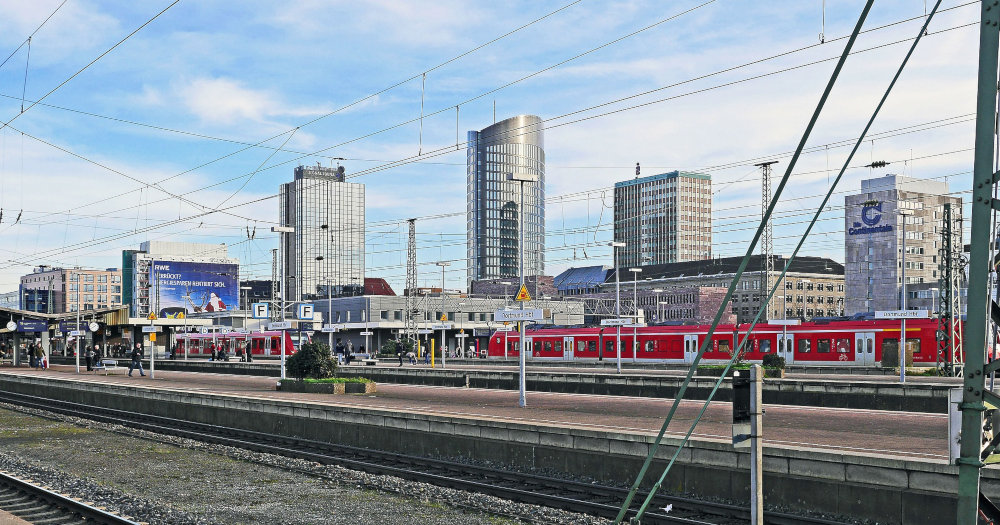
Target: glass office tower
514 145
328 215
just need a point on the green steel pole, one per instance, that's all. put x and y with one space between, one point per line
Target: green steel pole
974 382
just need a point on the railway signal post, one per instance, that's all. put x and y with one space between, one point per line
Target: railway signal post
748 418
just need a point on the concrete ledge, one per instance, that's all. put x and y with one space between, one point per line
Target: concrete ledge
869 486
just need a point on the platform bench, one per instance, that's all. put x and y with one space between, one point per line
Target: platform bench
370 362
108 365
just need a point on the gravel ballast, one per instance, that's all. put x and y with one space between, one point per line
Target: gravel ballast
162 479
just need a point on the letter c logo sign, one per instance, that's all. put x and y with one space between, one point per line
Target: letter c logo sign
868 215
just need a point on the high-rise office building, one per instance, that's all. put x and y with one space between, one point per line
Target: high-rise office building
873 240
665 218
510 146
325 255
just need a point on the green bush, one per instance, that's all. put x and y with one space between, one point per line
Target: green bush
313 361
392 346
773 361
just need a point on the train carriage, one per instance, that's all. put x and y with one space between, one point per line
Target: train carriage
263 344
844 343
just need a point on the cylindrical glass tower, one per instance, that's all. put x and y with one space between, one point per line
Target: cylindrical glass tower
510 146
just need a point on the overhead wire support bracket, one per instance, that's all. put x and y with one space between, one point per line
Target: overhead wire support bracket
743 264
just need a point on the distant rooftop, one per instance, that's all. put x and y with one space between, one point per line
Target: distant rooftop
728 265
662 176
584 277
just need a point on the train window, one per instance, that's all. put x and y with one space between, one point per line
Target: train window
559 346
274 343
765 345
804 346
871 345
609 347
650 346
538 346
822 346
592 346
512 346
913 345
581 346
548 346
724 345
843 346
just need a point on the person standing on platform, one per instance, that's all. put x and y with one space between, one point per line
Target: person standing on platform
136 360
89 356
97 355
399 352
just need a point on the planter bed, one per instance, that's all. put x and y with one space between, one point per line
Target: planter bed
294 385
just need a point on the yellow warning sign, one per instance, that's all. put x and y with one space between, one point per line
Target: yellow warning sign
444 317
151 316
523 294
152 337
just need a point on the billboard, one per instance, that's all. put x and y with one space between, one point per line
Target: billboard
178 289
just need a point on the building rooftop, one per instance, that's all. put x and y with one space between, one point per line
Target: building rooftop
581 278
662 176
729 265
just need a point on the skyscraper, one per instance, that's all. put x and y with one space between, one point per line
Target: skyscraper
665 218
327 248
510 146
873 240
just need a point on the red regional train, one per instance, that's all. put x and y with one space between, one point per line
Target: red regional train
260 343
842 343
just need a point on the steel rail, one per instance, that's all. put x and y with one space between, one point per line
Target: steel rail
33 503
574 496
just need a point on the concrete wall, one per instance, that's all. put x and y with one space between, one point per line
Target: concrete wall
878 488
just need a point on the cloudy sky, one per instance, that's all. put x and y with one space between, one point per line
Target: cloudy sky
185 130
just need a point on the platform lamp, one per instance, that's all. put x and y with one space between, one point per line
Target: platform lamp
618 307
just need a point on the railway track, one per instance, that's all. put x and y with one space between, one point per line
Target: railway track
36 504
587 498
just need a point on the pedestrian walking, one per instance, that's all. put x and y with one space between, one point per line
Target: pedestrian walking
136 361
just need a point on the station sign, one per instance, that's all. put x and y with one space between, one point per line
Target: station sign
424 332
901 314
32 325
367 333
330 328
150 329
65 326
531 314
615 322
634 325
441 326
76 333
243 331
260 310
305 311
505 329
279 325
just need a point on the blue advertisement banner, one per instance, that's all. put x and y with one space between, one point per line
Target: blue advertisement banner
182 288
32 325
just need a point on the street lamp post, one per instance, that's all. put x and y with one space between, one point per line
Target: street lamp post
284 287
635 304
79 291
659 313
618 308
443 265
903 214
521 178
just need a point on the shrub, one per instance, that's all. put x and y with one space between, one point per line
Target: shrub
773 361
392 346
313 360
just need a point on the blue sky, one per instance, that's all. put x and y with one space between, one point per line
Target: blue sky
224 75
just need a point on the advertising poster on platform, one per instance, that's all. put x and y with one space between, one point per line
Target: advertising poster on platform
183 288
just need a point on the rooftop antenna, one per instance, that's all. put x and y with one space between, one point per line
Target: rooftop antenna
637 170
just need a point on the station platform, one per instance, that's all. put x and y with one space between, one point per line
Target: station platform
869 463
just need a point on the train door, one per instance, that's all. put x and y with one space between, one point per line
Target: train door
690 348
786 347
568 348
528 341
864 348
